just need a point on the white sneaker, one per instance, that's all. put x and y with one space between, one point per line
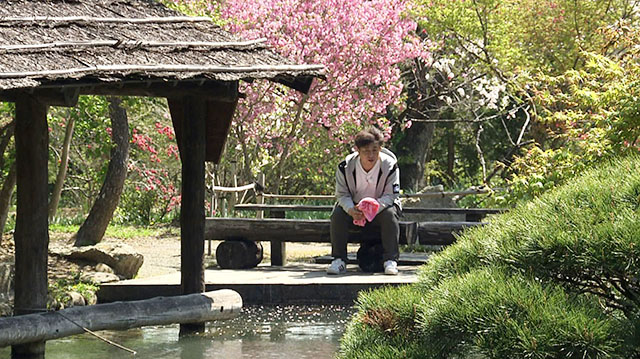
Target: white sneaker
390 267
337 266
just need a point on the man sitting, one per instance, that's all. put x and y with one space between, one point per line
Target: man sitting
369 173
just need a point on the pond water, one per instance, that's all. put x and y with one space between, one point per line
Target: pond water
258 332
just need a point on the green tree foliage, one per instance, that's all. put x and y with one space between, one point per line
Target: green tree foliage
152 187
522 48
587 115
524 286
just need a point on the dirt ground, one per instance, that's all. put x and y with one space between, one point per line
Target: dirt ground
162 255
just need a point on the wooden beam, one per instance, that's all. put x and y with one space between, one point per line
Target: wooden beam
223 91
96 69
218 120
192 206
31 233
215 305
219 117
63 97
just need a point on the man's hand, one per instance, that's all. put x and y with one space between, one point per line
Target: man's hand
356 214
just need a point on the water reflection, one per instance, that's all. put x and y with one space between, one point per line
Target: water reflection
258 332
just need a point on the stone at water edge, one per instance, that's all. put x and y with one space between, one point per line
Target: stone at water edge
6 277
76 299
121 257
101 267
99 277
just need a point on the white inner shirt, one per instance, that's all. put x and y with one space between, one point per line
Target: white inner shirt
366 182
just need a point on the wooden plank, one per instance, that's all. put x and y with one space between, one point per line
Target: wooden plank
328 208
405 259
285 230
215 305
192 206
31 231
408 195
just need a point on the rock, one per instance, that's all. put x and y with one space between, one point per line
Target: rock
90 298
75 299
101 267
99 277
5 309
121 257
6 278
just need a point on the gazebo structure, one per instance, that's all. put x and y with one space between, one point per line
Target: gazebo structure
53 51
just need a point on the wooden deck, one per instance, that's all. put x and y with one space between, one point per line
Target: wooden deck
292 284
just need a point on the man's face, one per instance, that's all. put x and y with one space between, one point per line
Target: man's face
369 155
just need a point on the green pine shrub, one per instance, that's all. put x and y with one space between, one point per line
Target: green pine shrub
553 278
385 325
496 315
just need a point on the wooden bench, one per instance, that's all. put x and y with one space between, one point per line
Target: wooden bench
278 231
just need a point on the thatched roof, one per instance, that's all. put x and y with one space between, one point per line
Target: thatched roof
96 42
58 49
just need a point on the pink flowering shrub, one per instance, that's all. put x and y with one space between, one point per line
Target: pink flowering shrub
360 43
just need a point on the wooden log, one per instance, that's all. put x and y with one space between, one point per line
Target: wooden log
201 307
31 231
286 230
239 254
192 206
442 233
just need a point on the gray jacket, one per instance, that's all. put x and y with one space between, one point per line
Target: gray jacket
387 188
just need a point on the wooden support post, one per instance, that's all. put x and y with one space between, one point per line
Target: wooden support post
31 233
233 196
278 248
192 207
260 197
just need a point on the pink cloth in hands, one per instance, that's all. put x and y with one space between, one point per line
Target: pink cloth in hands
369 207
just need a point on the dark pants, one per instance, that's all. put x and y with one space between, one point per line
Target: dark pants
386 223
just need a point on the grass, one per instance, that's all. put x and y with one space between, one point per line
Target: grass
121 231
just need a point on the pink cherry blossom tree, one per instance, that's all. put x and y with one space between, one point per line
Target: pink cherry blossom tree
360 43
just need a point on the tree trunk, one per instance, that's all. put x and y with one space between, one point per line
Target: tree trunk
93 228
412 151
5 196
10 181
62 170
6 139
451 154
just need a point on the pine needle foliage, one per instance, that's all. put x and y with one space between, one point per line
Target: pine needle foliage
553 278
